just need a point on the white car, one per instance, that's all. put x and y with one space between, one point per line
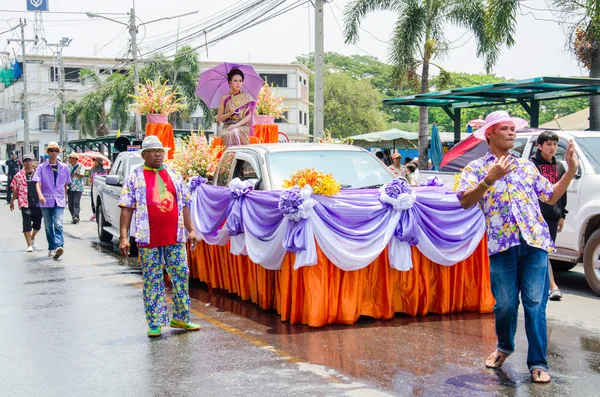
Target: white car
3 179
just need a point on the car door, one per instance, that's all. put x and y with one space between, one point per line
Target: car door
113 193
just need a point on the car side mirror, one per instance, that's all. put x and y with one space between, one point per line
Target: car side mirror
113 180
255 183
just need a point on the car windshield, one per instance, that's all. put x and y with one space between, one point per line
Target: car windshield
134 162
351 169
591 148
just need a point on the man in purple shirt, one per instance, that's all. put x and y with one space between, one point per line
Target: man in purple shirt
507 189
52 178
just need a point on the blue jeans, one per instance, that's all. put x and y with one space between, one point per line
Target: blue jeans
521 269
53 223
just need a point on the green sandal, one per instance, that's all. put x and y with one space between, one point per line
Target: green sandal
186 326
153 332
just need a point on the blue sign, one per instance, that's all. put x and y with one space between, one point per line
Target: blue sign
37 5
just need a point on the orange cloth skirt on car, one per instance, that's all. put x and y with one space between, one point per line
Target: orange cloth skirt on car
324 294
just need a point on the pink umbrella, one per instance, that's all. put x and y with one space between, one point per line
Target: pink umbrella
213 83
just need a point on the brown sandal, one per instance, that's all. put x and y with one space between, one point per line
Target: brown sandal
496 359
540 376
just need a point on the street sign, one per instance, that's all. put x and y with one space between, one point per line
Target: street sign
37 5
8 137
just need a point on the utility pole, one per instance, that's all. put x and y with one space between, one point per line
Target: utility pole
319 122
64 133
136 79
25 100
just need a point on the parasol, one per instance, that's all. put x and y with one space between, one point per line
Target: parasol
87 159
213 83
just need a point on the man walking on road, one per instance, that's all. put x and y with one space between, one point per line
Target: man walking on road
554 215
76 187
11 167
160 200
26 196
52 178
507 189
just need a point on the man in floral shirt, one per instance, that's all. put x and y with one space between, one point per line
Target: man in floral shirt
507 189
23 187
160 200
75 187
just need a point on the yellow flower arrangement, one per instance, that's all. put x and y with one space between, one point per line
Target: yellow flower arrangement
155 97
270 104
323 184
456 181
194 156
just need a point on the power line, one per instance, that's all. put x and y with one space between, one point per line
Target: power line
342 30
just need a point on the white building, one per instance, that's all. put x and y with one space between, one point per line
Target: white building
43 77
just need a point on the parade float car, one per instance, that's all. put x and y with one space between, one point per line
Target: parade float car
579 241
106 192
266 166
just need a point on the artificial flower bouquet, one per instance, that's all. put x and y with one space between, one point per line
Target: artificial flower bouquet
270 104
195 157
323 184
155 97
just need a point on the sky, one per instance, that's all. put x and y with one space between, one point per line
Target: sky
540 48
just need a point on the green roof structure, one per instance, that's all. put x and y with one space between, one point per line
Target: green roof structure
528 93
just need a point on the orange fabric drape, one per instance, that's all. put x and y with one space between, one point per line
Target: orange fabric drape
267 133
164 132
324 294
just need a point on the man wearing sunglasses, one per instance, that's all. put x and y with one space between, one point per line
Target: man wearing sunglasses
52 179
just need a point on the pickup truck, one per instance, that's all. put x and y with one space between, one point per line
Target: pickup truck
579 241
106 191
266 166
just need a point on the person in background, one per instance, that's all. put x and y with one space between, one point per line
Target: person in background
396 167
75 187
429 164
409 174
11 168
507 190
379 155
161 202
26 196
52 178
97 169
407 160
554 215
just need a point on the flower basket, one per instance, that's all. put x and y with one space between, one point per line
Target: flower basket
157 118
263 119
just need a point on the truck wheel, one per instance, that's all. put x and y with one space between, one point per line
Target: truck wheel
133 248
561 266
591 261
103 235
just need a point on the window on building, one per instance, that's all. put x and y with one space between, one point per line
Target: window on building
300 117
283 118
304 81
278 80
71 74
305 122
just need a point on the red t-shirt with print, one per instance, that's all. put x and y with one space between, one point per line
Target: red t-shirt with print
163 218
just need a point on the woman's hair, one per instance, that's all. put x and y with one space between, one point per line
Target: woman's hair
411 167
235 72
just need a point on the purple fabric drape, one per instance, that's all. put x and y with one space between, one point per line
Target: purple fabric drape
355 215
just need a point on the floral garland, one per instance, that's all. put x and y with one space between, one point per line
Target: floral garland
155 97
195 157
323 184
398 194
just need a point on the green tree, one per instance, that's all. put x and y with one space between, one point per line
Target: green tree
583 37
418 39
352 106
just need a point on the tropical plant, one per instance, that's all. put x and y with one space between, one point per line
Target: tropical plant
418 38
270 104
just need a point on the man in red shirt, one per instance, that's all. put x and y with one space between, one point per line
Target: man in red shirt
160 200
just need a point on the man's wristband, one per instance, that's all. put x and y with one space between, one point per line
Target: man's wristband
485 185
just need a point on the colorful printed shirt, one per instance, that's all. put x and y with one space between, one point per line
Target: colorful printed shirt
396 171
77 174
133 195
19 186
511 205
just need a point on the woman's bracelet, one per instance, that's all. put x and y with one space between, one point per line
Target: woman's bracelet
485 185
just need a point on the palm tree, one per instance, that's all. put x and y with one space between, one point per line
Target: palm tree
583 38
418 38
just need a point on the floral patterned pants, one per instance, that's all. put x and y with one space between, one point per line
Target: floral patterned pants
174 258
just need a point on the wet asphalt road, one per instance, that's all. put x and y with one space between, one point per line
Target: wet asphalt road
76 327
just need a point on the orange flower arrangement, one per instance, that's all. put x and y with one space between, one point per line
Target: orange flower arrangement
323 184
194 156
156 98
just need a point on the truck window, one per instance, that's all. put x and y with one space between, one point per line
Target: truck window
225 169
519 147
115 168
244 170
560 151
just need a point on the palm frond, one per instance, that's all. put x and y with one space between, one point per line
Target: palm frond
408 37
357 10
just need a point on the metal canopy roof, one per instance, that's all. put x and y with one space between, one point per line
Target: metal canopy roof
528 93
538 89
